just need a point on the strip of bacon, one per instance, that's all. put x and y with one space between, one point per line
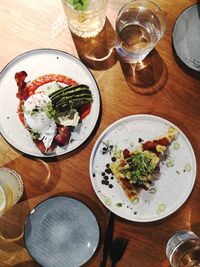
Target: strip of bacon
63 135
22 93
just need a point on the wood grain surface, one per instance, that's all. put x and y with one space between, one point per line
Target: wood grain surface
162 87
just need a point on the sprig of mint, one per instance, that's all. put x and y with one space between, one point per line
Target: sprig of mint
79 4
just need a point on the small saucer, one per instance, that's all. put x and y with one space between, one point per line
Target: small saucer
186 37
61 231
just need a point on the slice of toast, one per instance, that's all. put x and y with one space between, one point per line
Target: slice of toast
138 169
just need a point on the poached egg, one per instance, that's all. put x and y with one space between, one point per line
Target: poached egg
37 119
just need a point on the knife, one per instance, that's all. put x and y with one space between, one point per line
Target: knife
108 239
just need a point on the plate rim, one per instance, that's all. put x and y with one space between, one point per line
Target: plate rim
173 29
101 136
38 154
67 197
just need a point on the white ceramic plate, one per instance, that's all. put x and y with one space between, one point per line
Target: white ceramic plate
61 231
175 183
186 34
37 63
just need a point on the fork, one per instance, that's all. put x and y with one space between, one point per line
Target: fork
117 249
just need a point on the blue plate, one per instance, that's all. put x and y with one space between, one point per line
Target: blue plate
186 37
61 232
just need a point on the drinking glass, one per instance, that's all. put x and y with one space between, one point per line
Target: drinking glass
11 189
140 25
85 18
183 249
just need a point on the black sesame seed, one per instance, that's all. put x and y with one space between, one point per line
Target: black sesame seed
105 182
113 159
108 171
110 186
103 174
106 177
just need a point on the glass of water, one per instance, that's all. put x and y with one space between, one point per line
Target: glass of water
183 249
140 25
11 189
85 18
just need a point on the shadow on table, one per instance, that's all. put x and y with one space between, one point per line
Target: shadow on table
27 264
195 74
147 77
12 229
39 175
97 52
42 176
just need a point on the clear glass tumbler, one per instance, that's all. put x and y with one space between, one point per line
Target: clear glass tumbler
140 25
11 189
183 249
85 18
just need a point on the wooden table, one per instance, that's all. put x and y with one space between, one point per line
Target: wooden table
163 88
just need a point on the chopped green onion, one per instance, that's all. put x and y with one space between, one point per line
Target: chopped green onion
107 201
176 146
187 168
152 190
119 205
161 208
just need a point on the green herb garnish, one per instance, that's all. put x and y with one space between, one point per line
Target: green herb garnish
34 135
79 4
170 162
48 109
139 167
107 148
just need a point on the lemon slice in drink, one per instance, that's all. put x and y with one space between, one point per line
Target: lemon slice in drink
2 200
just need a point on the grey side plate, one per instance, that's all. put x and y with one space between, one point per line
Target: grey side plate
186 37
61 231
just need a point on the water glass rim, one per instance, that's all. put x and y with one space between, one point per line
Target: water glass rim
138 1
158 9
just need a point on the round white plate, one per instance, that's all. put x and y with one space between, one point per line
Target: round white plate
36 63
185 36
61 231
175 183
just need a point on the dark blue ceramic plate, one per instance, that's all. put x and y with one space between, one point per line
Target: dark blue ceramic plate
61 232
186 37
